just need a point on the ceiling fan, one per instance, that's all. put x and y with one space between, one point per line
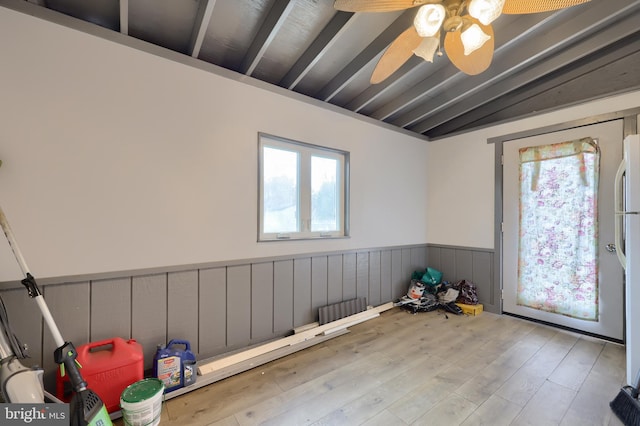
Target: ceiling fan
465 26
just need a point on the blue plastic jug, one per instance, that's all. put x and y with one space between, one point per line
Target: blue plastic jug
175 366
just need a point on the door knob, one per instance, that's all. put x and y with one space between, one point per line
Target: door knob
611 248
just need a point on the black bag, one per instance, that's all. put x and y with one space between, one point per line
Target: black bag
468 292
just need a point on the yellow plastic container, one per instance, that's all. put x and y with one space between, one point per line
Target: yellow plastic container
473 310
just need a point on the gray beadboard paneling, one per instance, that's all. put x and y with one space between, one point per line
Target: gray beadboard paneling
238 306
433 254
319 284
283 300
448 265
464 264
110 309
374 298
362 275
349 286
406 263
261 301
418 258
398 279
212 333
386 277
69 307
411 259
334 290
182 307
149 313
302 313
220 308
482 277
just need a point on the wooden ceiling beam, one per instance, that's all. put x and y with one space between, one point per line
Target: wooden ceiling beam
528 99
320 46
370 53
267 32
203 18
124 17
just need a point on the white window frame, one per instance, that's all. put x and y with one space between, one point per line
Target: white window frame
305 151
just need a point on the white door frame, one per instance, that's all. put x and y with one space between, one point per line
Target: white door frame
630 126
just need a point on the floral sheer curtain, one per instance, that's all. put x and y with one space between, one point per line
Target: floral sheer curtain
558 251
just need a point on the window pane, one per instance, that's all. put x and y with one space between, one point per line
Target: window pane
280 179
303 190
324 194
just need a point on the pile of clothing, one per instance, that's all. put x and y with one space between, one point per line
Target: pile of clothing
427 292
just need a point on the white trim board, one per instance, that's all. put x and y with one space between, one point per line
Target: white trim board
293 340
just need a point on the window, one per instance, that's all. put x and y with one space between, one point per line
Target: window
303 190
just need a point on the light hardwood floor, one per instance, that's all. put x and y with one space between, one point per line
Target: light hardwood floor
423 369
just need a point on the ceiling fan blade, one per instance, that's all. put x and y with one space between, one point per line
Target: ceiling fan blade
378 5
396 54
517 7
477 61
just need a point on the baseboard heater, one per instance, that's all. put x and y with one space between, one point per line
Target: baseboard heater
341 310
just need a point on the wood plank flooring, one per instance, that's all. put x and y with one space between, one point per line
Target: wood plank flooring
423 369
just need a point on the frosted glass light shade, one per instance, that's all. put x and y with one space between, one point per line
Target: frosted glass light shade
486 11
427 48
429 19
473 38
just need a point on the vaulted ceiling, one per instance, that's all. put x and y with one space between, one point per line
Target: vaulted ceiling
542 61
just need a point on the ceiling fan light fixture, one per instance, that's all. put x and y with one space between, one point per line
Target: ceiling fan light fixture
427 48
486 11
453 24
473 38
429 19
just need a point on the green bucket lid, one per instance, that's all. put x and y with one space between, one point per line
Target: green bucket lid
142 391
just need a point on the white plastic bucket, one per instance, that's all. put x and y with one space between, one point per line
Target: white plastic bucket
141 402
416 290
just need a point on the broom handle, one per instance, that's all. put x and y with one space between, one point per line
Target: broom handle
634 386
44 309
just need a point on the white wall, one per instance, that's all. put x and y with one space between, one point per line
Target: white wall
461 173
116 159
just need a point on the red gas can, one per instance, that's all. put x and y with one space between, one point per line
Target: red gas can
108 366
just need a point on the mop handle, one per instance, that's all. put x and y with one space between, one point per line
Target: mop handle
44 309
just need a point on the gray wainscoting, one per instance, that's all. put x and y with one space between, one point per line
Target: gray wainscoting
220 308
472 264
